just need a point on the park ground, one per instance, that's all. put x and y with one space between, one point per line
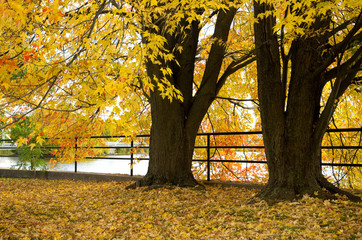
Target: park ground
67 209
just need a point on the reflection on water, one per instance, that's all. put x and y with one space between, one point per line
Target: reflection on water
106 166
96 165
7 162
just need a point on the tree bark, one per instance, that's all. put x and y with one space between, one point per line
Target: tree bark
171 145
298 172
175 123
292 144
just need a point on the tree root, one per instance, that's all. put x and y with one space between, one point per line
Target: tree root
335 190
323 189
154 182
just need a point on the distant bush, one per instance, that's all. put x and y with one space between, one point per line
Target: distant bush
30 155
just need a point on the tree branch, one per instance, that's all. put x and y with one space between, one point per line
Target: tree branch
350 77
341 27
339 48
236 102
232 68
344 68
207 90
343 80
217 51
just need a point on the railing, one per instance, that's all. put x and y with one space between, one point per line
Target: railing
208 148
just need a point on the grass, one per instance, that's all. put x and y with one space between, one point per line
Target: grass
66 209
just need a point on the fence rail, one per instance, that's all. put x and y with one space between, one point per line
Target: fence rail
208 148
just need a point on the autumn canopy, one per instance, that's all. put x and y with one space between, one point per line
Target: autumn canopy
172 68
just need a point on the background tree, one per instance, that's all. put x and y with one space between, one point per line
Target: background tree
31 154
312 45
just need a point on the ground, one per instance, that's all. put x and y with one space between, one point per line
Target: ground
64 209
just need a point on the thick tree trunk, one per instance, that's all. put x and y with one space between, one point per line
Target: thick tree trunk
171 146
175 123
292 144
297 172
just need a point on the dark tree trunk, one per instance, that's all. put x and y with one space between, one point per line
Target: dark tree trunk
171 145
293 130
297 172
175 123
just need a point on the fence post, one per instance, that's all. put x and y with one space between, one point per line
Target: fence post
208 157
75 155
132 158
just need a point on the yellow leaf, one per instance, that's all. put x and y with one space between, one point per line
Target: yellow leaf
153 2
40 140
21 141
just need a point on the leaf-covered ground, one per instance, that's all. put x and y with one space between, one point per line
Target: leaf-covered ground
65 209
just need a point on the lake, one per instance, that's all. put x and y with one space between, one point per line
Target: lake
93 165
110 166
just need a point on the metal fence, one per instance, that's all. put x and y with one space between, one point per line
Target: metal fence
208 147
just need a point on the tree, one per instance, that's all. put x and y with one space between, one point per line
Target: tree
80 60
30 155
313 45
175 123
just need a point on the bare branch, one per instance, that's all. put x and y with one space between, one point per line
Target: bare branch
339 48
232 68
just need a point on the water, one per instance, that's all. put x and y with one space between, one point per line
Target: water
7 162
92 165
106 166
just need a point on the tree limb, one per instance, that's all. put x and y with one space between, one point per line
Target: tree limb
232 68
207 90
343 68
339 48
343 80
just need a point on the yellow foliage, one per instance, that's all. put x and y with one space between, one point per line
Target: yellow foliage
65 209
21 141
79 67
